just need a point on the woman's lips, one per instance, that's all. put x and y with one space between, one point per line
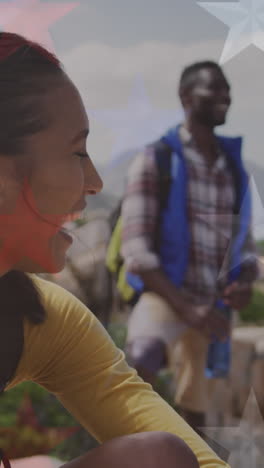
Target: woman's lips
73 216
69 218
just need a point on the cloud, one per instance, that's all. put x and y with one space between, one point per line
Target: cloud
108 67
105 75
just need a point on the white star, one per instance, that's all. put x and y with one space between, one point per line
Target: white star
246 21
138 123
244 443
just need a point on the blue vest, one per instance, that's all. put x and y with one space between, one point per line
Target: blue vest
174 231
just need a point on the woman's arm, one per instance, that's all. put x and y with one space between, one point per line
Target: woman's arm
72 356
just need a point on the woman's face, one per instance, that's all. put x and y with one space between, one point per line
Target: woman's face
56 178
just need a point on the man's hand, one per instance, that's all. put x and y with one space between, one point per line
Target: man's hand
238 295
207 320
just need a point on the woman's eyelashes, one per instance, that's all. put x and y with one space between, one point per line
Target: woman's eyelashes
82 155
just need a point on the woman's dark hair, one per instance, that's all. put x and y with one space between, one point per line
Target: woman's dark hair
26 73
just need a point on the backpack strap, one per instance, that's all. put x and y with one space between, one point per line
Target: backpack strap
115 215
163 156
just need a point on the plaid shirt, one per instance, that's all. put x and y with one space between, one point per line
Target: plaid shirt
210 202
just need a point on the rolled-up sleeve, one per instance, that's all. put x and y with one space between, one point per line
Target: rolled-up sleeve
140 211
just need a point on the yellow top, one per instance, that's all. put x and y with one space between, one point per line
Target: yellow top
72 356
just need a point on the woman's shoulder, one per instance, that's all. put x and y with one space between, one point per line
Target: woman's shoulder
45 286
58 302
67 320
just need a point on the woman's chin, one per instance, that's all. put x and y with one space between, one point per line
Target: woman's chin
57 267
57 262
50 259
54 265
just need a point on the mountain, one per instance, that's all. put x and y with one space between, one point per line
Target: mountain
102 201
114 173
114 176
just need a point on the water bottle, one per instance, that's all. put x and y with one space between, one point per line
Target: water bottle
219 352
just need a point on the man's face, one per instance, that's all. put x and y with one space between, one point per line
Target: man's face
208 101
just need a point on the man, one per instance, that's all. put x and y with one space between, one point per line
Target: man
205 252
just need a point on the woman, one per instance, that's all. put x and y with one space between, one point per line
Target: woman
45 174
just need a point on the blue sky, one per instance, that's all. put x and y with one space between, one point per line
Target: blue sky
106 44
130 22
116 43
126 58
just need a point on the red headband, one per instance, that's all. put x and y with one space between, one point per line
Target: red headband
10 43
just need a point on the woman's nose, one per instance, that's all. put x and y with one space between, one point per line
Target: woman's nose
93 182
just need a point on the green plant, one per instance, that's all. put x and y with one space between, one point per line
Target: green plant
80 222
118 333
260 247
50 414
31 436
254 313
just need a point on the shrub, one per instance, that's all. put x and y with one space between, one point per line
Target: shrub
50 414
254 313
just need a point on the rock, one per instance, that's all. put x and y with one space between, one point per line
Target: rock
85 274
249 334
249 347
247 368
230 396
40 461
